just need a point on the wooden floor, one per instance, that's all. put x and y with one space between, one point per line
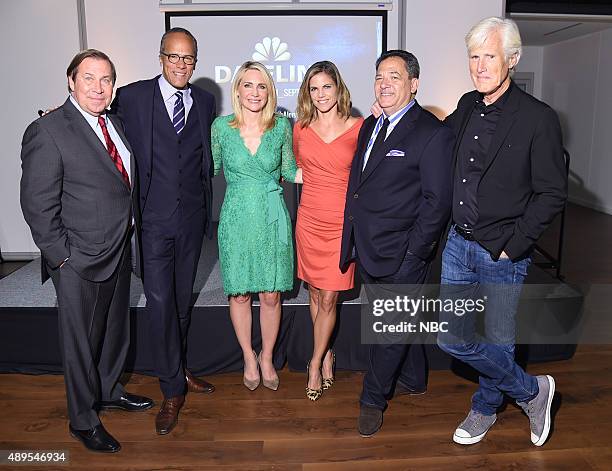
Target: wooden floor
264 430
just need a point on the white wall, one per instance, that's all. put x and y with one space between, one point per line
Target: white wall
576 83
435 33
38 40
532 60
131 39
129 31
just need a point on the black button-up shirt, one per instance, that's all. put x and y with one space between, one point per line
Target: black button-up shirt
471 157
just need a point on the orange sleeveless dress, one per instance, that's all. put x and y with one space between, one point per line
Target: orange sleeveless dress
318 231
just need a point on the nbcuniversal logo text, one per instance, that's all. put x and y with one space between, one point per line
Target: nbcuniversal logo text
266 51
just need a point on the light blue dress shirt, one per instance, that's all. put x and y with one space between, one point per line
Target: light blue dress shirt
393 120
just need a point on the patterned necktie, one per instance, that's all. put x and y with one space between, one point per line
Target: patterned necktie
178 116
113 152
380 139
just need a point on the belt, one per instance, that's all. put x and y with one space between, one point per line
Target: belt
467 234
276 206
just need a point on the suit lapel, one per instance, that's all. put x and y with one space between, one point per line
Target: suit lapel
203 118
364 135
404 126
464 120
119 129
506 121
117 125
82 127
148 103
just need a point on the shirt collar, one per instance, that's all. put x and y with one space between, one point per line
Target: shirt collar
395 117
168 90
92 120
501 101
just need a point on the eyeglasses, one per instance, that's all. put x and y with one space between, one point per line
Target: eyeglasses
174 58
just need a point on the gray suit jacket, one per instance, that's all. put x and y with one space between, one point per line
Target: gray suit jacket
72 195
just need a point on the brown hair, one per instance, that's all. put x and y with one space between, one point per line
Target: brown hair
306 111
73 67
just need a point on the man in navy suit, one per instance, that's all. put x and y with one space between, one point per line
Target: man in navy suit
167 122
397 205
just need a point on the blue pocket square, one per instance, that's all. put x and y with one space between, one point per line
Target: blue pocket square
395 153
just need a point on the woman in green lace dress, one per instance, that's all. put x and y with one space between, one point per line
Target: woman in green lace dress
254 147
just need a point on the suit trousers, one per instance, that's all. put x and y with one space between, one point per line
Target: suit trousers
171 250
94 327
391 362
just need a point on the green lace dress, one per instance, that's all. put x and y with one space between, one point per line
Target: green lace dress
255 240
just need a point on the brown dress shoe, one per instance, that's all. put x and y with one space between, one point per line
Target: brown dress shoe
167 417
197 385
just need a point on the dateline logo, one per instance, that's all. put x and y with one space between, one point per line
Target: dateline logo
274 54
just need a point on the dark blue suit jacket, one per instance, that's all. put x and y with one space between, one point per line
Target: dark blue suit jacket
133 104
399 206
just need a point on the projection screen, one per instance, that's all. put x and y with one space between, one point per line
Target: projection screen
287 43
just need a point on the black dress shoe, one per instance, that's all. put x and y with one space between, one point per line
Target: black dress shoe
128 402
370 420
403 390
96 439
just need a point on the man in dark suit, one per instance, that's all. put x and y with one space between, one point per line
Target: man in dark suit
167 122
509 183
397 205
78 198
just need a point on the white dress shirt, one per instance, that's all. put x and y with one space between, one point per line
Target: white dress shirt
124 153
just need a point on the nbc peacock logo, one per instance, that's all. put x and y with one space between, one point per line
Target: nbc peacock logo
271 49
274 54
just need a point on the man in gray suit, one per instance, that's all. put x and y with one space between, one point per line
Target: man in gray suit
78 199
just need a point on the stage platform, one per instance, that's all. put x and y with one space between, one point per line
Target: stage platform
29 332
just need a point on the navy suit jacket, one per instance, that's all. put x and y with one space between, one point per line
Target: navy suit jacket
524 180
133 104
399 205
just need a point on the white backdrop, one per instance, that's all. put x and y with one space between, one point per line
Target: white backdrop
40 37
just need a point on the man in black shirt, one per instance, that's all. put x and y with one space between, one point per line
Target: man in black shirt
509 184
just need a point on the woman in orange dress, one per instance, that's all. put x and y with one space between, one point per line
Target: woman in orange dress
324 141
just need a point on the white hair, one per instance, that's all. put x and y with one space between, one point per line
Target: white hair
508 30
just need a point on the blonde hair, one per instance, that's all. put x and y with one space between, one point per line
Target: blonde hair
508 32
267 114
306 111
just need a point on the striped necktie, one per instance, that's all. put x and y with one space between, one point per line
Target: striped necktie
178 116
112 151
380 140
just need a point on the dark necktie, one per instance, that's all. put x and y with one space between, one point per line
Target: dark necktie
380 139
113 152
178 116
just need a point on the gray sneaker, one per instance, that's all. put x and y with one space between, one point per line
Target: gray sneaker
473 428
538 410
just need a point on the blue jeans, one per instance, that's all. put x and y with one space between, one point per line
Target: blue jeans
469 272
